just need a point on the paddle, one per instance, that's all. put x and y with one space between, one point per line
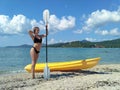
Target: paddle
46 69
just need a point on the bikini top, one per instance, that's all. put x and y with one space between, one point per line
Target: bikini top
37 40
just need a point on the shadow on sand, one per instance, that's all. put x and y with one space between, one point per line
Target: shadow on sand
75 73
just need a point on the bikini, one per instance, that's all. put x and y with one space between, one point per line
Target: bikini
36 40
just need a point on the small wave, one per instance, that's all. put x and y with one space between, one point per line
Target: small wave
18 71
11 72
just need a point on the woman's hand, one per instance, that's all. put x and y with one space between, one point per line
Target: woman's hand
30 32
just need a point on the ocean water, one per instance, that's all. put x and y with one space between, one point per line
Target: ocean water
13 60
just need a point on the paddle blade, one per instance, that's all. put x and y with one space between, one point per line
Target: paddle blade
46 72
46 16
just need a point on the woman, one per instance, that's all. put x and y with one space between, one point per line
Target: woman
35 50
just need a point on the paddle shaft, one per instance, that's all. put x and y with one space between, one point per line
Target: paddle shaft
46 45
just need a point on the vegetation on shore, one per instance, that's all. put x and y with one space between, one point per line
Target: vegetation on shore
87 44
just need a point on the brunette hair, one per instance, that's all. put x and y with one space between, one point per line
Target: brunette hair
34 29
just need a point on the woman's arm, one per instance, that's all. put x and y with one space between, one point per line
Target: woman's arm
31 34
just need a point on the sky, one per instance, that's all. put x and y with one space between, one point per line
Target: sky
69 20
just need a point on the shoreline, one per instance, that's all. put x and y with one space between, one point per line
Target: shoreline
5 73
97 78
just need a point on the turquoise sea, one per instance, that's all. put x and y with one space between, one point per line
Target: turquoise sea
13 60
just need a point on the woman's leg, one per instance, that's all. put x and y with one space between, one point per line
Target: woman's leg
34 63
34 57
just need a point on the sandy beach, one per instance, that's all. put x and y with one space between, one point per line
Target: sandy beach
101 77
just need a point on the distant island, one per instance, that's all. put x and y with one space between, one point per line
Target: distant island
21 46
82 44
87 44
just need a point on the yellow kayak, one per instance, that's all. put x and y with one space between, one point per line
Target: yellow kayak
65 66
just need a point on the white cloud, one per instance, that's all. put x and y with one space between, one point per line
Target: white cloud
78 31
40 24
102 32
17 24
101 19
60 41
64 23
20 24
115 31
106 32
90 39
52 41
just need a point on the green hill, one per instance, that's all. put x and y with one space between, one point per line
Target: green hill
87 44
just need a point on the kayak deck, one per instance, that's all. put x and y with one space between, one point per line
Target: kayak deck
65 66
